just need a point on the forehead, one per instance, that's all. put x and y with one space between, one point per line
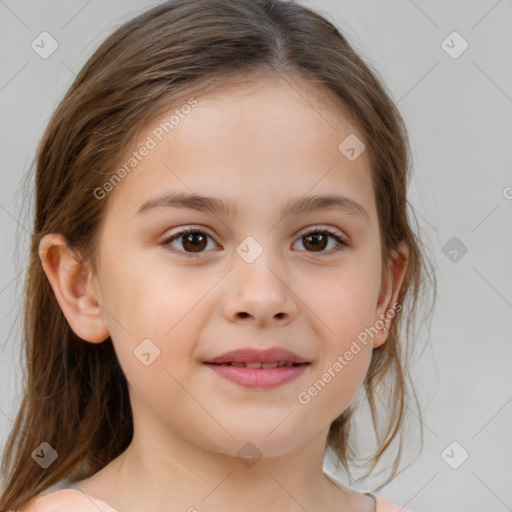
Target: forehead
270 139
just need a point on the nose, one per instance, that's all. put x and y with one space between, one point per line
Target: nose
257 294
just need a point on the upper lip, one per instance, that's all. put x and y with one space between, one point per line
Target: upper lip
253 355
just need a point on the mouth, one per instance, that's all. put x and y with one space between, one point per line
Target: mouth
247 356
258 369
265 366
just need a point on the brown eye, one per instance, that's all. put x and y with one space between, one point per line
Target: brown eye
189 241
318 240
195 242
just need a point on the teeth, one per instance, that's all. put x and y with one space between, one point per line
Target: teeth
253 365
265 366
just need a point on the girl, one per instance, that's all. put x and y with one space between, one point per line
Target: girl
221 258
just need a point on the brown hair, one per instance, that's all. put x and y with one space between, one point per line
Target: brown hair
75 394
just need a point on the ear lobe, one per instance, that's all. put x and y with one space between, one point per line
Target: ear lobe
391 284
70 280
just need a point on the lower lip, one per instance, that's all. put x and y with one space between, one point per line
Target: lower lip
258 378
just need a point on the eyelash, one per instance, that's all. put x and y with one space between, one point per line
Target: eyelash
341 243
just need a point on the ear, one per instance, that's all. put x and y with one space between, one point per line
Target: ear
71 283
392 280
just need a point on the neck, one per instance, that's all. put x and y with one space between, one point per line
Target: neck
160 471
174 474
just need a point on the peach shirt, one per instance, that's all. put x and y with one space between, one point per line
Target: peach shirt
72 500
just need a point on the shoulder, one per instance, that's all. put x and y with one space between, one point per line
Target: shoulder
383 505
66 500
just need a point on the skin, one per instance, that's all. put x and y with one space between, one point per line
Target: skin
261 144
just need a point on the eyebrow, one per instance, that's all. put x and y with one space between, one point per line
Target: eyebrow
230 208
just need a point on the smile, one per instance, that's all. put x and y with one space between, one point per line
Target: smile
256 375
266 366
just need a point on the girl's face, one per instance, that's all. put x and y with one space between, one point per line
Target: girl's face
250 277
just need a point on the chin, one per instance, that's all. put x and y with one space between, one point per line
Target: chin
251 444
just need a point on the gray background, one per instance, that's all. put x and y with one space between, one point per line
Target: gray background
459 113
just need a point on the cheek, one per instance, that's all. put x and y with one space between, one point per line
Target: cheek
342 380
343 305
150 296
151 303
343 299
